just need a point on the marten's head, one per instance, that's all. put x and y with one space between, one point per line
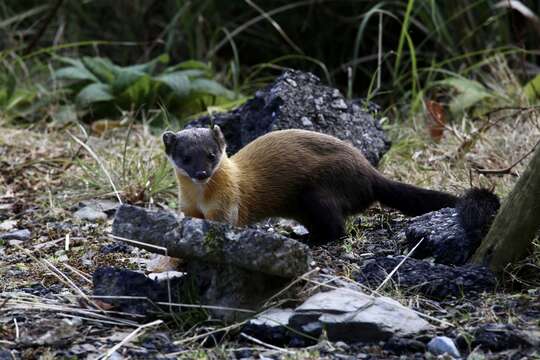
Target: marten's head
195 153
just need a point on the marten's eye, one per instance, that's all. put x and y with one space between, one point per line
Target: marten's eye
211 156
186 159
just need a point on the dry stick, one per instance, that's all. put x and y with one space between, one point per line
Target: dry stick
139 243
78 272
52 307
273 347
297 280
43 27
58 274
509 168
196 306
17 333
200 336
98 160
128 338
398 266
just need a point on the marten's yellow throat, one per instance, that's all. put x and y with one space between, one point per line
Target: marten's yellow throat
313 178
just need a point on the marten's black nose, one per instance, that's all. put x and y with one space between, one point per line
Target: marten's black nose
201 175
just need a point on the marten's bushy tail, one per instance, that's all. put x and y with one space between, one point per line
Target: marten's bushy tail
476 210
409 199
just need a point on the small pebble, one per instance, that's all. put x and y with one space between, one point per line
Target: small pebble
87 213
443 345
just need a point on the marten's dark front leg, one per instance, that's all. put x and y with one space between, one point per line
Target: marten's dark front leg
322 217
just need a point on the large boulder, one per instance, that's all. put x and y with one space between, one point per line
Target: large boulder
298 100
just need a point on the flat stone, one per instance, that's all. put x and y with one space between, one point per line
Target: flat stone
353 316
90 214
8 225
102 205
213 242
441 345
20 235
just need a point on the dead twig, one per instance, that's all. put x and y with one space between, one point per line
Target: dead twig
128 338
508 169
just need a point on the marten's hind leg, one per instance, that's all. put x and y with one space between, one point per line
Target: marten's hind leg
322 216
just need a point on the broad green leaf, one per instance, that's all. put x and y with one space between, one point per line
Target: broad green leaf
70 61
139 92
150 66
470 93
211 87
177 82
192 65
125 77
94 93
532 88
102 68
75 73
192 73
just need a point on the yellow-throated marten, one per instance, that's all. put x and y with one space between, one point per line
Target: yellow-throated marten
310 177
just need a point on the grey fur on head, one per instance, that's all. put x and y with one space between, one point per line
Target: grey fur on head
195 152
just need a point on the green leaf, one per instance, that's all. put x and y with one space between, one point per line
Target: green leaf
94 93
75 73
125 77
211 87
139 92
177 82
11 84
470 93
190 65
102 68
150 66
191 73
532 88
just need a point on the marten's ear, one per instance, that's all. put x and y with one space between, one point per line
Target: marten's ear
218 135
168 138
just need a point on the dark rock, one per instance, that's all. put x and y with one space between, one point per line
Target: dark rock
441 345
353 316
401 345
443 237
113 282
227 286
270 326
213 242
116 247
230 267
298 100
451 236
499 337
20 235
436 281
159 342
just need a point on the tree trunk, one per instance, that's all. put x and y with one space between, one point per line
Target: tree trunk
516 224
